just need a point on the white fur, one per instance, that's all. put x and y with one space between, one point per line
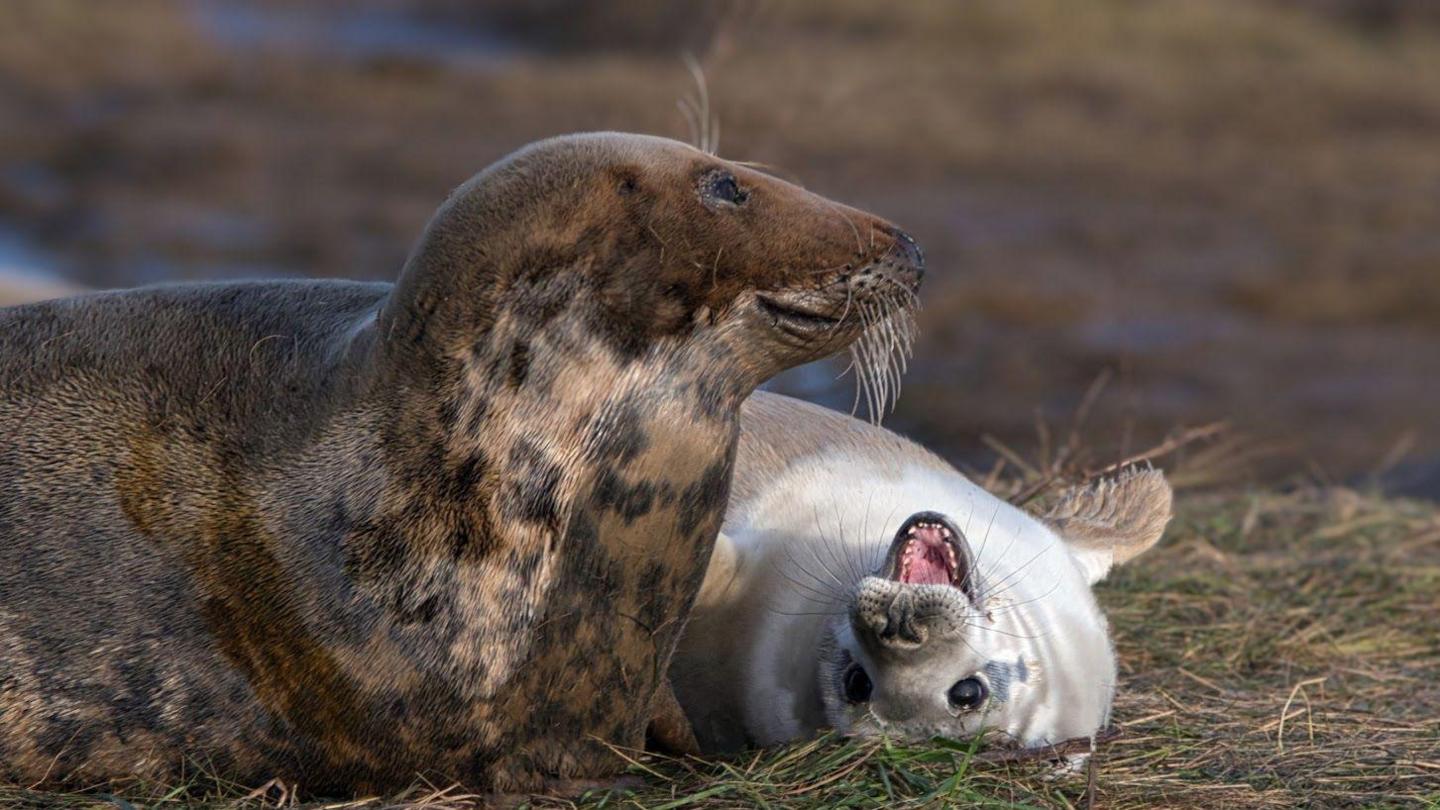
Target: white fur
790 557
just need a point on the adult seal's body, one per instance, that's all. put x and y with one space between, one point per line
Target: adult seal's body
345 533
862 584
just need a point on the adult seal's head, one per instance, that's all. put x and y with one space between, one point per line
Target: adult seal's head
638 244
450 526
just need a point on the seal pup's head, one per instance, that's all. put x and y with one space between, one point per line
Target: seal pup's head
642 243
953 639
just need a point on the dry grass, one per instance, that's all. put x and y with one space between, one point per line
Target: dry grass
1277 650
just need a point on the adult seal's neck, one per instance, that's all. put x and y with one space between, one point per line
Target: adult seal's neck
451 285
491 325
504 398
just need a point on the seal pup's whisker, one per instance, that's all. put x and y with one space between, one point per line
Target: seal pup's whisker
814 594
829 546
1014 538
980 580
821 586
814 553
842 543
1010 578
818 584
1010 606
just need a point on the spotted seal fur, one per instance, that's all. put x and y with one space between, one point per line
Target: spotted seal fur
347 533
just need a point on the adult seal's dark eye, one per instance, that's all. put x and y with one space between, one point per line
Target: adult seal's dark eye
968 694
857 685
723 187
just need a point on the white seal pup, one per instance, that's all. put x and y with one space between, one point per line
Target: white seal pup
860 583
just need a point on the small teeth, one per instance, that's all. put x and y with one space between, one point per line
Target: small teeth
906 552
940 527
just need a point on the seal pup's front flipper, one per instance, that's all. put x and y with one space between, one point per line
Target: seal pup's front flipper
720 575
669 731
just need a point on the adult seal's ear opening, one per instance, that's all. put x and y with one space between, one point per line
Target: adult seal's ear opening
449 527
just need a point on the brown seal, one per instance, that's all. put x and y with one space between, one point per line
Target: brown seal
346 533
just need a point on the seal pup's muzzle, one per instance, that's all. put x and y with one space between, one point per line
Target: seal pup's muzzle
926 585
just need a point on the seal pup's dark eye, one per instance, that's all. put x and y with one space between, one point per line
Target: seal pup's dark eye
722 187
857 685
968 694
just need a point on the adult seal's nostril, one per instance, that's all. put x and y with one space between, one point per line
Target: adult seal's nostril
910 250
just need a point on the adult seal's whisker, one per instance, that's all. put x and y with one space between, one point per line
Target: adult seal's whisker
879 355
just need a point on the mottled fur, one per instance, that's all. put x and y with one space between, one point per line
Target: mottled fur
344 533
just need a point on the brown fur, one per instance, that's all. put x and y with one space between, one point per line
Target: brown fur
346 533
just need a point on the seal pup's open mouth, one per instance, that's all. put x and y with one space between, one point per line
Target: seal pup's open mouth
928 550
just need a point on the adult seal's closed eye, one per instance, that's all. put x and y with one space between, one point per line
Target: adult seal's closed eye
346 533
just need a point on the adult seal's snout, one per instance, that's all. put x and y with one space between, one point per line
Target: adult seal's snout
348 533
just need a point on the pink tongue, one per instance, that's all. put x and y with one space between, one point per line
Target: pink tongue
926 565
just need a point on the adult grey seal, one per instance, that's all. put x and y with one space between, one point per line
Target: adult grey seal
346 533
862 584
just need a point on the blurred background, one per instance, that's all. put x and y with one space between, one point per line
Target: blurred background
1145 216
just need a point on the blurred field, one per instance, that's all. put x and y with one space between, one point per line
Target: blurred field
1232 205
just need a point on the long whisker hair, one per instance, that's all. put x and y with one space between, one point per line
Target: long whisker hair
703 124
881 355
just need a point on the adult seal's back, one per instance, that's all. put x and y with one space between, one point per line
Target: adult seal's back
345 533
